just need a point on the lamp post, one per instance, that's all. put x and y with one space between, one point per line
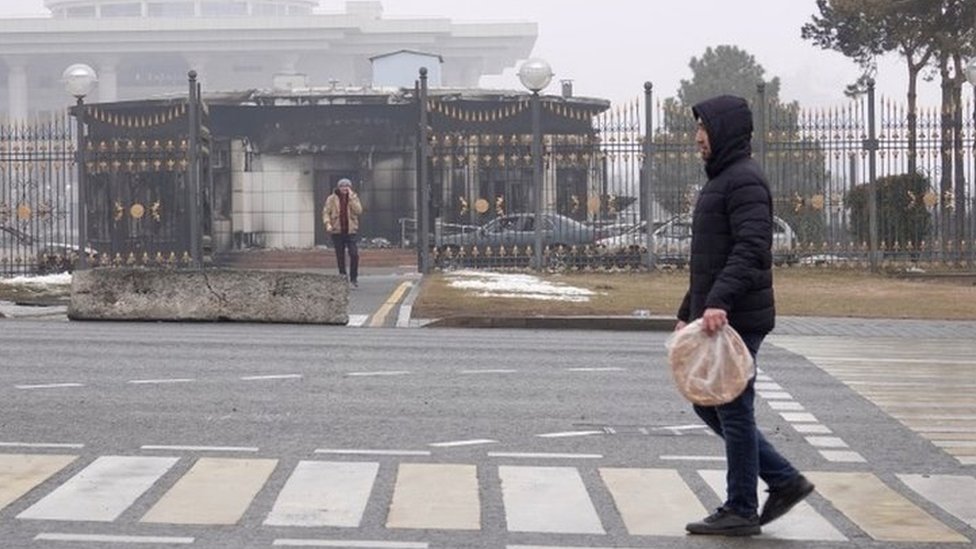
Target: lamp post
535 75
971 77
79 79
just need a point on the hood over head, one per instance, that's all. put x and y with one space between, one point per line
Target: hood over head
728 122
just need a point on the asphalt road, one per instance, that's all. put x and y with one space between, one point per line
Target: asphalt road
240 436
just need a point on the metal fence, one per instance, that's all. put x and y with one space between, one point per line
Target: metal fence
37 195
849 188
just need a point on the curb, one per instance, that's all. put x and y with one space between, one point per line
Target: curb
615 323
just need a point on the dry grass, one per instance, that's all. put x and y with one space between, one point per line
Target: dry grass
799 292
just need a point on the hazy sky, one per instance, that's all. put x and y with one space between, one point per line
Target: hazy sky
610 47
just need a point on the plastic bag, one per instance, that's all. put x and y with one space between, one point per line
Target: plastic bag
709 370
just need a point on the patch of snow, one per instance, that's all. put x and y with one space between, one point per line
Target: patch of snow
516 286
60 279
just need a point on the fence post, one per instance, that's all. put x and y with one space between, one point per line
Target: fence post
871 146
761 125
648 176
423 183
194 181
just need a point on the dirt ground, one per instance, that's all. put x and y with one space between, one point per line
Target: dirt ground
799 292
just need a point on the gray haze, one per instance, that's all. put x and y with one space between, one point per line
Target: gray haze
609 48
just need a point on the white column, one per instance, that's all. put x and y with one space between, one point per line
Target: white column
17 91
108 81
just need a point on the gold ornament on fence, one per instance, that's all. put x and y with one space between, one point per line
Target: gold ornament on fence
817 202
481 206
137 211
463 204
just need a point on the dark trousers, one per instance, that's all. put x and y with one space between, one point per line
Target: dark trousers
748 452
341 243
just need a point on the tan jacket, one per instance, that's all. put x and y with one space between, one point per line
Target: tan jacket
330 213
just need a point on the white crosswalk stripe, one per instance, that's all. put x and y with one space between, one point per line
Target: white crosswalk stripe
102 491
324 493
430 497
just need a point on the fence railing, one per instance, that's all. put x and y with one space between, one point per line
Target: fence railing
847 189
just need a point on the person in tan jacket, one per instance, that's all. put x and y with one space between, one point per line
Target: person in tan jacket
341 218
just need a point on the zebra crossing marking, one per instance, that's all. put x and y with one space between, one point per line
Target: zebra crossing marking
803 523
156 447
436 496
652 502
102 491
324 493
879 511
213 491
348 543
100 538
547 500
954 493
442 497
20 473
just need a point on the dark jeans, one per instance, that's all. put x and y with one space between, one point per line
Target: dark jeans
343 242
747 451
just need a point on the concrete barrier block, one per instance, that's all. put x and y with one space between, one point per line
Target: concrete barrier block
209 295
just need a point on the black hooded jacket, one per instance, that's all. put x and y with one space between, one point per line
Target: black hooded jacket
732 229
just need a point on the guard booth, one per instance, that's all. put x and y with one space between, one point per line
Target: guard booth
146 182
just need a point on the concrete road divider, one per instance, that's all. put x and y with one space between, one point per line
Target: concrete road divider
209 295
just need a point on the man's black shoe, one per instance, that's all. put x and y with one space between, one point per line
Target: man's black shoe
782 498
725 522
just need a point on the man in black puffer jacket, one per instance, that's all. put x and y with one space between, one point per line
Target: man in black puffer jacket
732 283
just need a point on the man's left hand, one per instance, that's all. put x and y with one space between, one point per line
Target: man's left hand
713 320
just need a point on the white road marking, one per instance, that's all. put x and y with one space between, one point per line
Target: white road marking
879 511
812 429
842 456
97 538
547 499
51 445
826 442
365 452
102 491
889 360
457 443
949 492
348 543
691 458
529 455
272 377
199 448
799 417
50 386
785 405
215 491
322 493
768 386
356 321
378 374
160 381
775 395
652 502
570 434
802 523
19 474
435 496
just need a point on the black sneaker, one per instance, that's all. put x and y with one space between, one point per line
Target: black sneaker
782 498
724 522
354 283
